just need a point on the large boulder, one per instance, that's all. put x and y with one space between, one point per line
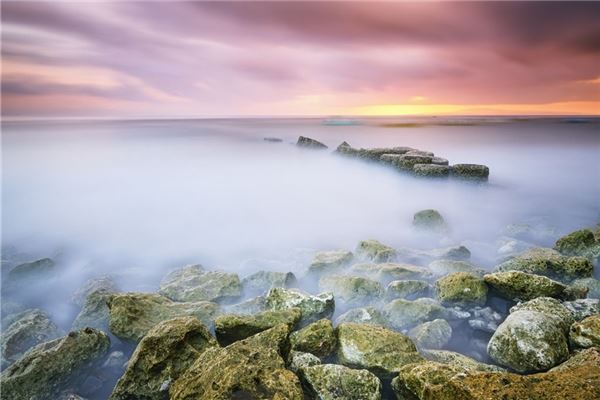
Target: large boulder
404 314
29 328
550 263
94 312
252 368
132 315
194 283
586 333
230 328
363 315
407 289
161 357
578 243
431 335
332 382
551 308
429 220
375 348
325 262
318 338
50 367
313 307
462 289
387 272
307 142
260 282
351 290
472 172
372 250
517 285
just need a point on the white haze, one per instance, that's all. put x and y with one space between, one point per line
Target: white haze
137 198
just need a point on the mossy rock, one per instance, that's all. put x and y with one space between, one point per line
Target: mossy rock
517 285
592 285
325 262
298 360
103 283
404 314
582 308
576 243
472 172
313 307
407 289
444 267
132 315
585 333
588 357
50 367
551 308
230 328
333 382
161 357
387 272
375 348
414 381
252 368
432 170
375 251
363 315
260 282
351 290
462 289
431 335
194 283
430 220
318 338
95 312
455 359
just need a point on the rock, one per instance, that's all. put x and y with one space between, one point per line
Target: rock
94 313
252 368
31 270
431 170
28 329
445 267
103 284
351 290
429 220
193 283
326 262
484 319
230 328
586 333
250 306
407 289
416 152
318 338
511 247
551 308
517 285
457 253
313 307
583 308
116 360
366 315
592 284
380 350
260 282
473 172
438 161
431 335
529 341
577 243
404 314
332 382
273 139
345 149
377 154
462 289
415 381
309 143
550 263
406 162
585 358
299 361
388 272
374 251
50 367
458 360
132 315
161 357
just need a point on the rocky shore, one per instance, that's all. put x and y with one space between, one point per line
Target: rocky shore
379 323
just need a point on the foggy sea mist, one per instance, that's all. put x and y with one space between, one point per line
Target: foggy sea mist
135 199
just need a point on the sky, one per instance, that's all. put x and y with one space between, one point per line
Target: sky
209 59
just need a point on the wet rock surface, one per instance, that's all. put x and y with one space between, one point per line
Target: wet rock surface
194 283
331 381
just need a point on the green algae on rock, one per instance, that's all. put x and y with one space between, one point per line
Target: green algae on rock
363 315
387 272
260 282
161 357
458 360
430 220
444 267
472 172
407 289
313 307
325 262
462 289
333 382
577 243
298 360
517 285
51 367
194 283
94 313
132 315
585 333
318 338
592 285
375 251
431 170
404 314
351 290
432 334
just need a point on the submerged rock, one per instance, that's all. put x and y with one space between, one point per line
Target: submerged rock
194 283
313 307
326 262
407 289
375 348
318 338
586 333
462 289
431 335
332 382
429 220
484 319
260 282
473 172
28 329
375 251
309 143
517 285
161 357
252 368
404 314
351 290
365 315
132 315
50 367
230 328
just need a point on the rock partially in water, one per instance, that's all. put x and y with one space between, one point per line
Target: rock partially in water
132 315
461 289
307 142
432 170
484 319
430 220
551 308
407 289
101 284
578 243
431 335
445 267
517 285
439 161
95 312
380 350
260 282
251 306
415 381
326 262
28 329
252 368
456 253
331 382
458 360
404 314
472 172
372 250
230 328
388 272
31 270
583 308
194 283
351 290
299 360
585 333
318 338
51 367
313 307
364 315
550 263
588 357
592 285
161 357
